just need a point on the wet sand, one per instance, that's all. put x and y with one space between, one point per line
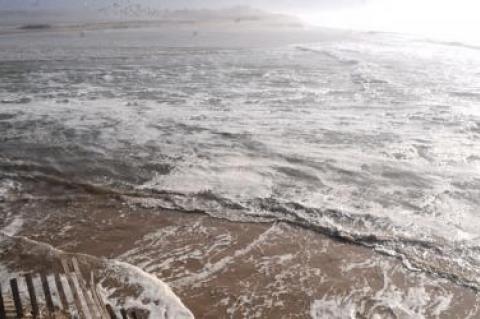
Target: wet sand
222 269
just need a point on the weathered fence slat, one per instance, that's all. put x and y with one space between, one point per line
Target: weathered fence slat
88 298
98 300
61 292
31 293
111 312
16 297
76 298
104 306
47 293
83 300
3 315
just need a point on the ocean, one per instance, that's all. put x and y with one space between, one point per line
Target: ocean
372 139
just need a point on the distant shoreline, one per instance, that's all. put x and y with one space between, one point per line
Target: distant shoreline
35 27
236 18
229 25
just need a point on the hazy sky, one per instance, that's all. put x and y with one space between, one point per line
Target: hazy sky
453 19
457 19
273 4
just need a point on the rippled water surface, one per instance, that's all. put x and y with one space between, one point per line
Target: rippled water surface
374 138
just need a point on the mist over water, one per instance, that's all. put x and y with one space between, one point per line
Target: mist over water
447 20
455 21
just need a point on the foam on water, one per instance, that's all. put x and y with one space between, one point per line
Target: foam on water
155 296
373 138
13 227
389 302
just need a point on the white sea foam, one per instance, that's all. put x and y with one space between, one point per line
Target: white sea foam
211 268
332 308
383 129
13 227
388 302
155 295
7 186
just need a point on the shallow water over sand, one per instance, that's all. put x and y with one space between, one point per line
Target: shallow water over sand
236 270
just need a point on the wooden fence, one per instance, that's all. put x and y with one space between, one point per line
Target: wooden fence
57 296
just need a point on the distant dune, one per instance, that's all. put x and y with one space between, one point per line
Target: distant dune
35 27
115 17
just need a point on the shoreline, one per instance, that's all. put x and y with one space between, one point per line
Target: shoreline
255 270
